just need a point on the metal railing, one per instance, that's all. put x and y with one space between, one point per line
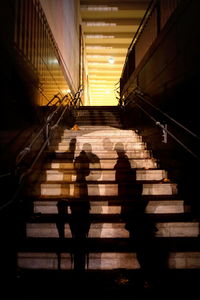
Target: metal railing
138 94
52 121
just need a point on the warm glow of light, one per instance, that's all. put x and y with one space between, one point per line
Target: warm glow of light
66 91
53 61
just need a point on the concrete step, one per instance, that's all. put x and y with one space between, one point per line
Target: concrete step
102 118
104 175
97 115
109 108
102 163
99 127
114 230
108 141
106 154
89 147
104 207
103 132
98 189
83 123
102 261
89 113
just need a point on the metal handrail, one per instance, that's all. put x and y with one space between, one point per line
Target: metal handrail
139 30
73 102
141 95
165 130
27 149
54 97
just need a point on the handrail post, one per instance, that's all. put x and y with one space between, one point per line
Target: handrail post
47 133
164 130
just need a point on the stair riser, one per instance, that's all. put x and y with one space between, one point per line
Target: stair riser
157 207
98 147
98 120
98 115
106 134
104 261
90 113
110 155
106 127
114 230
101 120
70 190
107 141
96 123
102 134
103 175
107 164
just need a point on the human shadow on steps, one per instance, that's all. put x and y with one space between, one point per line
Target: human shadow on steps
80 219
150 253
62 217
125 177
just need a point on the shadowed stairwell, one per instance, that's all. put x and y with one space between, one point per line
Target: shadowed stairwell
106 220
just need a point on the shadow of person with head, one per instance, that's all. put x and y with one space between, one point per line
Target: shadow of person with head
62 219
95 167
151 256
125 177
80 208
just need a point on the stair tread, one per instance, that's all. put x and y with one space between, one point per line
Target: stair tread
178 230
109 198
111 182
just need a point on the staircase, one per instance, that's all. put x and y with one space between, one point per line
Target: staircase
84 208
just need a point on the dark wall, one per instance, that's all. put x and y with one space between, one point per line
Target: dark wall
20 119
20 114
168 76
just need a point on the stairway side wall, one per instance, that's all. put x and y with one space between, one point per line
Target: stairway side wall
169 74
63 18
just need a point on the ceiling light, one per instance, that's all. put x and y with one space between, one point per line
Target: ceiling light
111 60
99 8
99 36
99 24
53 61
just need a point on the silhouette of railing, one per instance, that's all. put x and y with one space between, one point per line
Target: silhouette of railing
138 94
52 121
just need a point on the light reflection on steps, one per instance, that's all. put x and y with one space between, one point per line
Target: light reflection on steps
103 261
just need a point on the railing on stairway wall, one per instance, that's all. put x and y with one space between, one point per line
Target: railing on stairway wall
58 108
136 95
155 18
